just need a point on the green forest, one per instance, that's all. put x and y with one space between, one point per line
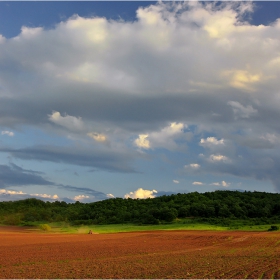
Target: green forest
218 207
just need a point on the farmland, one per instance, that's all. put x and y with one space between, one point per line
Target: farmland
146 254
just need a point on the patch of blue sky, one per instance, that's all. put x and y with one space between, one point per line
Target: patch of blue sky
28 136
265 12
47 14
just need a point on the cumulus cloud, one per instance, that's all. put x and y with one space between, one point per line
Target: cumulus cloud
141 193
219 158
4 191
215 184
211 141
142 141
76 124
270 137
192 166
83 61
86 198
9 133
198 183
55 196
241 111
164 138
69 122
223 184
81 197
10 195
243 79
97 136
176 181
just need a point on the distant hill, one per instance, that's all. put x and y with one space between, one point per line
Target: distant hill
211 206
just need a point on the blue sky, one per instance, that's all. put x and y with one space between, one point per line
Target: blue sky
138 99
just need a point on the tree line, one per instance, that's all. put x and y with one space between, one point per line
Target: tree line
210 206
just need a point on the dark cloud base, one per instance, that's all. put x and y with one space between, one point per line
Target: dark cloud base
100 159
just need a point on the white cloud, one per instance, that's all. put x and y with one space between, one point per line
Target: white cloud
55 196
198 183
97 136
217 158
69 122
241 111
225 184
141 193
9 133
11 195
243 79
2 39
209 141
221 24
270 137
174 37
215 184
142 141
29 33
193 166
164 138
22 195
176 181
81 197
4 191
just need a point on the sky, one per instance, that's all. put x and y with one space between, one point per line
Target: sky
138 99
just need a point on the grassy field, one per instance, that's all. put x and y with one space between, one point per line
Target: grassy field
182 224
130 228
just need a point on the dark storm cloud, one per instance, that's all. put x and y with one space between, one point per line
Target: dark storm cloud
22 170
15 175
110 161
262 166
134 113
97 195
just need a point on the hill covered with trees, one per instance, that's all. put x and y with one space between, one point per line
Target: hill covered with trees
213 207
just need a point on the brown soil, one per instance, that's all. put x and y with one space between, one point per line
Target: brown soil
15 229
156 254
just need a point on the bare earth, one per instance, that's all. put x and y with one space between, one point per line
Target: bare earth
155 254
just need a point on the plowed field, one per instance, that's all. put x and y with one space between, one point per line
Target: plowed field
156 254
